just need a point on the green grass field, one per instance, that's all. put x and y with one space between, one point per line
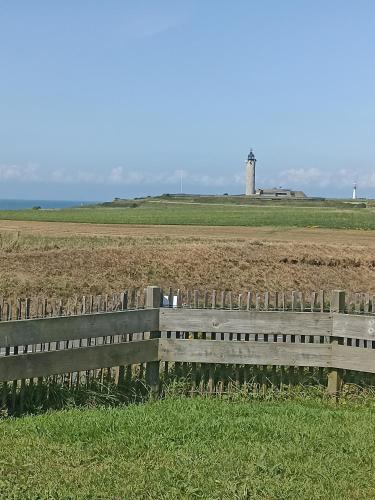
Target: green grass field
208 214
192 448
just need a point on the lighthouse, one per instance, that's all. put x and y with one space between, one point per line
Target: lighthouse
354 196
250 174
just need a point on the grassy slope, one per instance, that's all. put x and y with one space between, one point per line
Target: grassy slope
224 215
239 200
200 448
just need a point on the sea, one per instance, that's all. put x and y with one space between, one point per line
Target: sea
46 204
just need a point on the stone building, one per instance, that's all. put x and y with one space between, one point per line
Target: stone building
279 193
273 193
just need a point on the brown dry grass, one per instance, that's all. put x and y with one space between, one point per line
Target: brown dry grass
69 264
292 234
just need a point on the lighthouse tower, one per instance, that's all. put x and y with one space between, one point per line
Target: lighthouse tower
250 173
354 195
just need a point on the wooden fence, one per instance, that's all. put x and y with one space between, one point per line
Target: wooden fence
248 342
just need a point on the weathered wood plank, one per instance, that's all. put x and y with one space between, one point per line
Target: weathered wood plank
154 297
194 351
253 353
353 358
266 322
54 329
71 360
354 326
334 382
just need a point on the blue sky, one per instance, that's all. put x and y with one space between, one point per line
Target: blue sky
103 99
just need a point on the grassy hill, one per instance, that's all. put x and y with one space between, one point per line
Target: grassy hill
235 200
339 214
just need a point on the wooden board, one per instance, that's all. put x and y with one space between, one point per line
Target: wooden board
353 358
71 360
265 322
34 331
354 326
40 364
240 352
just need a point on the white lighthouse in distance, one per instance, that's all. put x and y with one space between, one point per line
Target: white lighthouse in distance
250 174
354 196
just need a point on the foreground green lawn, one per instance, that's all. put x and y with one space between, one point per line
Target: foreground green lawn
215 215
192 448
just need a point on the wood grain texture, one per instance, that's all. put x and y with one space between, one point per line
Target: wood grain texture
70 360
221 323
77 327
40 364
265 322
353 358
154 297
334 381
252 353
354 326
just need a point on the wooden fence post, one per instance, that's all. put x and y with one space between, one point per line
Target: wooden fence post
153 300
335 375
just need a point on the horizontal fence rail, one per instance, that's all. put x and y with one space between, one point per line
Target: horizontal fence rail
267 353
245 322
27 332
73 360
108 344
245 353
354 327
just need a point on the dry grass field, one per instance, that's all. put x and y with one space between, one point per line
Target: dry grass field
64 259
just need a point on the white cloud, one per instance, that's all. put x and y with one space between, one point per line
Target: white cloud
117 175
313 177
367 180
19 173
128 177
305 177
125 176
120 175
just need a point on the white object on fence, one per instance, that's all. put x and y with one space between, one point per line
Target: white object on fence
166 301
